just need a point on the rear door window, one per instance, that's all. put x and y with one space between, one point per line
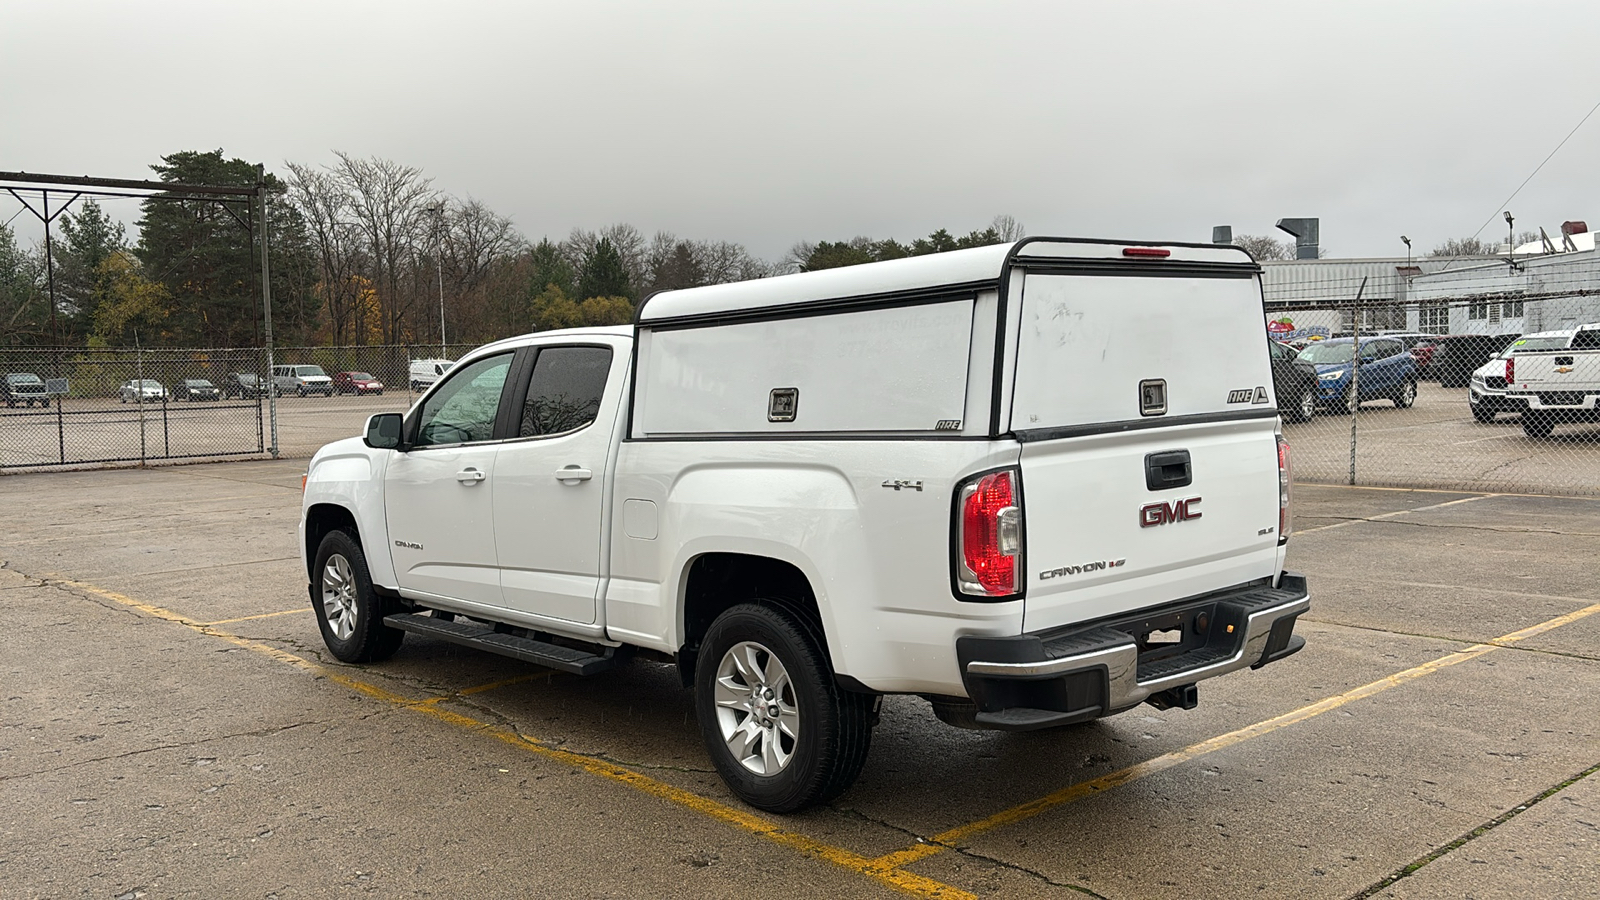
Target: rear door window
565 391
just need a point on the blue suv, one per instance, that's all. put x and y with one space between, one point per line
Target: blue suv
1387 372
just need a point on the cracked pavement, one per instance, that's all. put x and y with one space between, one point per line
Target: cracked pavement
143 757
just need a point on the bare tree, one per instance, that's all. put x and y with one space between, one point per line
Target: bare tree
1262 247
390 204
1469 246
1008 228
324 205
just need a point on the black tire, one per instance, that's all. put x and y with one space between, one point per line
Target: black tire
1406 396
1347 404
368 640
1304 406
834 725
1537 425
1483 412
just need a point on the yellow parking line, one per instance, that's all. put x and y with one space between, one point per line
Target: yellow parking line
907 882
287 612
953 837
477 689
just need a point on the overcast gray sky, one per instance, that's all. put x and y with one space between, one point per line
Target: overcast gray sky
770 123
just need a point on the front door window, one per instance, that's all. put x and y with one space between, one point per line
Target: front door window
463 409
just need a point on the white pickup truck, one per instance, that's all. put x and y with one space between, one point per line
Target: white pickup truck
1035 483
1560 385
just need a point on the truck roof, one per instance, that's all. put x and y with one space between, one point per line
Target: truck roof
976 268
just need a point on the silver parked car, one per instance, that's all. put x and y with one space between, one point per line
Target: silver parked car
146 390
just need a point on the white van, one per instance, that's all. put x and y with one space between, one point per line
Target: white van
424 372
302 380
1035 484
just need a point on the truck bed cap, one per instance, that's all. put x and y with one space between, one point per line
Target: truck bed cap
974 269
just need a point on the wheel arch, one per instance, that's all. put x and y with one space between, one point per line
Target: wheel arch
322 518
714 582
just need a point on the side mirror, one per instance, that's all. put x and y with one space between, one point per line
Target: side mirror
384 431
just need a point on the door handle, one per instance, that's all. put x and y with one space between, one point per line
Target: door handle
469 475
573 473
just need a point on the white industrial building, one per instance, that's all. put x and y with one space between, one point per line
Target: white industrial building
1306 297
1539 286
1519 295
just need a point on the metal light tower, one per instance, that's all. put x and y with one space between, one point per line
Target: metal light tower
438 260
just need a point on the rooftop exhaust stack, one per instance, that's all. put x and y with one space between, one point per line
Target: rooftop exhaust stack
1222 234
1306 235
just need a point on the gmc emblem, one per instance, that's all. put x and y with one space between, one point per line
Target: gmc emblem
1165 513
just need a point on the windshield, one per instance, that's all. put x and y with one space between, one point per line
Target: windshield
310 371
360 376
1553 342
22 379
197 382
1327 354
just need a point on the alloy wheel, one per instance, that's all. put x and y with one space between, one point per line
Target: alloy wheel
757 713
339 596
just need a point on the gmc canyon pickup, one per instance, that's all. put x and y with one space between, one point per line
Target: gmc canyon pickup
1035 484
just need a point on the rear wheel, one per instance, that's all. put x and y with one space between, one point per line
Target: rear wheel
1406 396
349 613
1537 425
780 731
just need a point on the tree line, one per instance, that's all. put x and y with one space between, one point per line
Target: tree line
361 252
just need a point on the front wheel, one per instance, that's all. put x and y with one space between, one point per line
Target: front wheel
349 613
779 730
1406 396
1482 412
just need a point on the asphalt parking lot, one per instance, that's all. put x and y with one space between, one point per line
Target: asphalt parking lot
170 727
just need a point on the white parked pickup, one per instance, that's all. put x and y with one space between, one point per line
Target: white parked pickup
1035 483
1559 385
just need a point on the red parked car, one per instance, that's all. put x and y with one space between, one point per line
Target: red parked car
356 383
1422 355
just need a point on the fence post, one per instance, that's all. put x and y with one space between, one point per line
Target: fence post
266 308
61 430
138 365
1354 401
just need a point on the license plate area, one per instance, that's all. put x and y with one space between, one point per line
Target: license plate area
1171 634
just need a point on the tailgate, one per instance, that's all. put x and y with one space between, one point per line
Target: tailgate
1149 461
1555 370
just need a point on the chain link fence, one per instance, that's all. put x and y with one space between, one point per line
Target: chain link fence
1432 405
77 407
1479 391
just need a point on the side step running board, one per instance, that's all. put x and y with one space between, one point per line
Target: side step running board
484 637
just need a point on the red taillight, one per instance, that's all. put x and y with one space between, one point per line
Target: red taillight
990 521
1155 252
1511 369
1285 476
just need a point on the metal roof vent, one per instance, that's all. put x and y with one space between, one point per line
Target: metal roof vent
1306 235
